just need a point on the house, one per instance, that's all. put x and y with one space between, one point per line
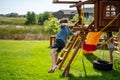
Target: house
88 12
65 14
71 13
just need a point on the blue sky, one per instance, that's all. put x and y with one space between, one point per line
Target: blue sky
23 6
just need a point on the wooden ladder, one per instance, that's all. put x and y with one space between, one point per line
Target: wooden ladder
73 42
64 53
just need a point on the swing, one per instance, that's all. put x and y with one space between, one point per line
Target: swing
91 42
89 47
102 64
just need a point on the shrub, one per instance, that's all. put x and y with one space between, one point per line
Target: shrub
51 26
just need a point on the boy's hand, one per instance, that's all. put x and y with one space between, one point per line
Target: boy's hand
76 33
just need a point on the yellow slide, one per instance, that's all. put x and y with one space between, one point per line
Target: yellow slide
92 39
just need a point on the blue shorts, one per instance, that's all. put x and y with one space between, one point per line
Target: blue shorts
59 44
111 50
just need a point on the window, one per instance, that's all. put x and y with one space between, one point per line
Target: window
110 11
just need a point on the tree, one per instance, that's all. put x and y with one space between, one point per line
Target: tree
33 18
40 19
43 17
12 15
30 18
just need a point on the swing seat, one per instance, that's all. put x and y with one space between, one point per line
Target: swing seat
89 47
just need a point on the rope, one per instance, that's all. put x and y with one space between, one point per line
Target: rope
99 31
110 22
105 28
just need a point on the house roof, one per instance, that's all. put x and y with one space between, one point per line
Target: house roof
86 10
69 11
89 10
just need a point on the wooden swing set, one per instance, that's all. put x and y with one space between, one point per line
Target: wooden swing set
106 19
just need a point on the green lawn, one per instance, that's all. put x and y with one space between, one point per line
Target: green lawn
31 60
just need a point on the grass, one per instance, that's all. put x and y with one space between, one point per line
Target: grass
24 32
31 60
12 21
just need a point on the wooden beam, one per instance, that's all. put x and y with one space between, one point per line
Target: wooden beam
77 4
85 2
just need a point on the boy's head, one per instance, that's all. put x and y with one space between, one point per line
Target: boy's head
64 20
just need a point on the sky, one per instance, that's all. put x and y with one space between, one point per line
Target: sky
38 6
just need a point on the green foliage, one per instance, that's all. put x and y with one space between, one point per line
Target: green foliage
43 17
51 25
74 19
85 21
89 19
30 18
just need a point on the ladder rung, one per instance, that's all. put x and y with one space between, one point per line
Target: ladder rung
65 50
70 42
61 58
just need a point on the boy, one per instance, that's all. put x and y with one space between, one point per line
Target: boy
60 42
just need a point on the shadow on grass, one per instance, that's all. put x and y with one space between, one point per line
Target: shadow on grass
90 57
105 75
109 75
99 75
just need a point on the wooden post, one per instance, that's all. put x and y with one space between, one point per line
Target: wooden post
73 56
67 72
52 38
79 14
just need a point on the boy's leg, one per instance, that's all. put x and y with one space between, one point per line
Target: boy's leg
54 56
54 60
111 58
111 55
57 47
